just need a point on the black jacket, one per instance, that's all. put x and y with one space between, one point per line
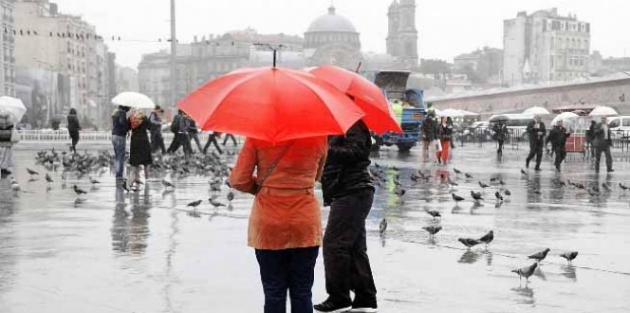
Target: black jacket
601 138
445 132
429 129
558 136
120 123
500 132
73 123
536 135
346 169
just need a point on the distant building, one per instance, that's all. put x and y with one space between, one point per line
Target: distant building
483 66
7 41
600 66
545 46
126 79
402 36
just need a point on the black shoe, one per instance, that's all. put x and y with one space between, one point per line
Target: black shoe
330 307
364 307
610 170
597 170
537 169
558 168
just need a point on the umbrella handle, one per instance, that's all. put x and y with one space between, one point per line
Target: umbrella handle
358 68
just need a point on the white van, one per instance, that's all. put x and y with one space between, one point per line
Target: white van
619 126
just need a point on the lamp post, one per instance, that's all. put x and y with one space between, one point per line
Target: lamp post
173 55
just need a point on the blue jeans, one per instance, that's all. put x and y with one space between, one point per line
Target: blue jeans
289 269
119 143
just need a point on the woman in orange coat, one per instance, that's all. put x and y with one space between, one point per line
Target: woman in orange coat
285 223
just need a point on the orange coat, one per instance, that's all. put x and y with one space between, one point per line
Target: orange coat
285 213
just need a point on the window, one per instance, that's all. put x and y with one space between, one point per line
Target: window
626 122
613 123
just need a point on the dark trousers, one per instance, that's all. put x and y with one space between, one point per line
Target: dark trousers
195 137
289 269
561 154
500 150
74 136
535 149
605 148
229 136
212 139
178 141
157 143
346 262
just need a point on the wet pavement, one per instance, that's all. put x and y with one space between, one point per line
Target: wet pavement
96 254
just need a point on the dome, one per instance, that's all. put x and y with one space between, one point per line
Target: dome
331 23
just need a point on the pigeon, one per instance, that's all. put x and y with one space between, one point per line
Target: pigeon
400 192
570 256
457 171
230 196
435 214
167 184
79 191
539 256
526 272
194 204
493 179
593 192
623 187
501 182
468 176
215 203
507 192
15 185
476 196
498 196
383 226
94 181
432 230
49 179
469 242
606 187
523 172
457 198
487 238
452 183
31 172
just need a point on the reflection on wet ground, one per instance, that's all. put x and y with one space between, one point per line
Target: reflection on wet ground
145 251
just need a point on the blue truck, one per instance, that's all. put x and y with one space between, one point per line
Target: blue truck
394 84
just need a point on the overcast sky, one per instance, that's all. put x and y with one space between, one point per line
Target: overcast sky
446 28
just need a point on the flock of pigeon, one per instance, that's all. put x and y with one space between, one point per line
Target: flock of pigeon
380 173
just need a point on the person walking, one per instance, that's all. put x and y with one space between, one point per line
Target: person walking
8 138
193 132
590 139
445 134
212 139
349 191
429 134
73 129
179 127
229 136
120 128
140 146
603 142
285 222
558 138
500 134
157 140
536 130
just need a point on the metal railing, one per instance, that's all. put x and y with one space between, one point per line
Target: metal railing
62 135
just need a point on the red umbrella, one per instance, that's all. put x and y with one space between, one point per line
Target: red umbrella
379 115
271 103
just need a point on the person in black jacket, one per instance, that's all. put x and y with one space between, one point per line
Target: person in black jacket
193 132
429 134
120 128
536 130
349 191
590 138
603 142
157 140
500 134
73 129
558 138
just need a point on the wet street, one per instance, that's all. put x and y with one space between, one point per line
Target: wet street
110 251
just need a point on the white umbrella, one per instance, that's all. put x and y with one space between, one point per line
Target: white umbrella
468 113
133 100
12 107
449 112
536 111
603 111
564 116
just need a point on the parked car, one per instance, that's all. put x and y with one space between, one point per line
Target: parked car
619 126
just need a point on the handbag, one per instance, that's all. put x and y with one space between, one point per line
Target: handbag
438 145
273 165
15 137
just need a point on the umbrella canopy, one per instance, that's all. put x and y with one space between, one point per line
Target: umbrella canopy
455 113
498 118
12 107
133 100
603 111
379 115
273 104
536 111
564 116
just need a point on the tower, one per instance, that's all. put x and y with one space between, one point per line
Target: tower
393 16
408 34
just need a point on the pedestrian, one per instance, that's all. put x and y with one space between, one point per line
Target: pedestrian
8 138
73 129
429 127
193 132
603 142
558 138
536 131
120 128
157 140
349 191
445 134
285 222
230 136
140 146
212 139
590 139
179 127
500 134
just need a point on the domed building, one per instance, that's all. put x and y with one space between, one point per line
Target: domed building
332 39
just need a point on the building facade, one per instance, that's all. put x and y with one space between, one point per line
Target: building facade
545 46
402 36
7 42
483 66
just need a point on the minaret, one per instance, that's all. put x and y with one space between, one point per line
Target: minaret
393 15
408 34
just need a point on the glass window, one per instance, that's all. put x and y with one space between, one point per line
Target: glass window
613 123
626 122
